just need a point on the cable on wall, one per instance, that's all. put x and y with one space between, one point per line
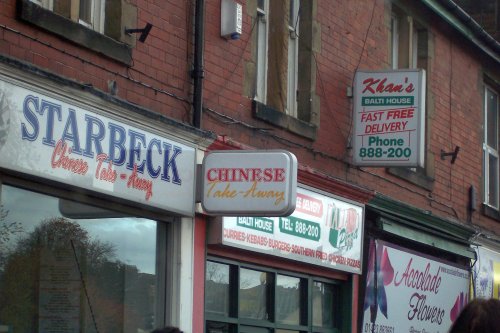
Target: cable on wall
450 83
289 143
222 87
350 127
326 99
227 119
103 68
84 285
266 131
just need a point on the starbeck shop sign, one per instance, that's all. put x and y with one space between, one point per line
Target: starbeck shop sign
389 118
322 230
257 182
407 292
53 138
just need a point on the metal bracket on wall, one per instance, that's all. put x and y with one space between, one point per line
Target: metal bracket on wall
144 32
453 154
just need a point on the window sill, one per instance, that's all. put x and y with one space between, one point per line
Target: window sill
491 212
32 13
280 119
415 177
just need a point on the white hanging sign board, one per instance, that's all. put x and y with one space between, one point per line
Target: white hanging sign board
389 118
249 183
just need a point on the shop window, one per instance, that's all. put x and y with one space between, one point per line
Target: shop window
409 49
324 305
95 24
217 289
67 267
288 293
253 302
263 300
491 149
284 78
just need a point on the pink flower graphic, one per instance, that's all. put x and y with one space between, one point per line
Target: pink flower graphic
460 303
380 274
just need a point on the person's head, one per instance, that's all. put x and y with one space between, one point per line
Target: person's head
478 316
167 329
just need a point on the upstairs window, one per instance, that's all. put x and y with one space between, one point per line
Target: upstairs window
98 25
285 65
491 149
277 54
293 56
409 49
89 13
262 37
404 41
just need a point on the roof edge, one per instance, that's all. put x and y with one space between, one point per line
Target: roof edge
466 25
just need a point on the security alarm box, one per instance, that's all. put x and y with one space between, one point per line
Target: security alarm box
231 19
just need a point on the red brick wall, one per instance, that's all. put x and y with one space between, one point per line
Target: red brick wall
353 35
160 66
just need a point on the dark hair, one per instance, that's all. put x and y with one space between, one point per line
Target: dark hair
480 315
168 329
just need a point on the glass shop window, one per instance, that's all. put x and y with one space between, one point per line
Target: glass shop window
68 267
242 299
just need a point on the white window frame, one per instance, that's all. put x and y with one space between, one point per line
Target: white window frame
96 15
48 4
412 45
262 48
490 151
394 40
293 57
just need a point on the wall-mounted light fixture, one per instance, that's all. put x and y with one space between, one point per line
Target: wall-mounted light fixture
144 32
453 154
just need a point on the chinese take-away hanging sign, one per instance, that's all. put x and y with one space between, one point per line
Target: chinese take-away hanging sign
249 182
389 118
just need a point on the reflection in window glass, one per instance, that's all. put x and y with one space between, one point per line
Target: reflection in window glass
86 11
491 149
288 300
493 183
253 294
323 308
217 288
254 329
492 118
216 327
69 274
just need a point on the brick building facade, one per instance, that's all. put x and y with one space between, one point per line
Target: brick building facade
286 81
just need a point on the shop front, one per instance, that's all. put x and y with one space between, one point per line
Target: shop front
286 274
417 276
96 212
486 268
